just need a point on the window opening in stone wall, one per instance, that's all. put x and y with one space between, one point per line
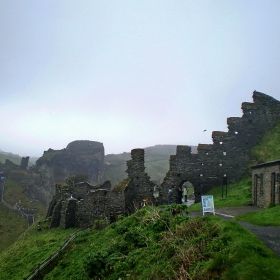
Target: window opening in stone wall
224 153
235 132
261 183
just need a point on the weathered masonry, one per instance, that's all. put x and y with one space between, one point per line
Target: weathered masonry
80 204
265 183
228 156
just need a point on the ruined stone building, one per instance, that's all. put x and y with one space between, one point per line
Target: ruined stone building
80 204
265 187
226 160
228 156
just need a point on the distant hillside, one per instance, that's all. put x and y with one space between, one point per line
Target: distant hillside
156 162
12 157
16 159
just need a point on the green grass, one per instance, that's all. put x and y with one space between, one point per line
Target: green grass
269 147
14 193
150 244
12 226
29 250
13 158
238 194
267 217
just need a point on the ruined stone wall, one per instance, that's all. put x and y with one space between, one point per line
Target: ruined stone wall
24 162
68 217
143 187
80 204
55 213
92 208
116 205
229 154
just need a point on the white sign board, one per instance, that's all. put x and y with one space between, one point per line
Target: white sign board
207 203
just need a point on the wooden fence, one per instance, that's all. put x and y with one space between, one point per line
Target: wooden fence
35 273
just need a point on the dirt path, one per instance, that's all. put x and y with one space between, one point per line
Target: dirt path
269 235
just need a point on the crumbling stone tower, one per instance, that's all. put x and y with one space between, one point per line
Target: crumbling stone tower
229 155
142 186
24 162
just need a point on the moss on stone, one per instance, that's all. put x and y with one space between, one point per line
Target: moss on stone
122 185
63 185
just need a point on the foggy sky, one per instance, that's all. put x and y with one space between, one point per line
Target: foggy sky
131 74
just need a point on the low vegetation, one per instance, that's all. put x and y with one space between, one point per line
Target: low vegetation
269 148
14 195
153 243
237 194
267 217
12 226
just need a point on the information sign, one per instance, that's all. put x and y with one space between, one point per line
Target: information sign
207 202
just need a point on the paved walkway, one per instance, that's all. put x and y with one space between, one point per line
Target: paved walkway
269 235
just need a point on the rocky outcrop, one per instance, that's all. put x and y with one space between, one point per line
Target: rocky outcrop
38 183
79 157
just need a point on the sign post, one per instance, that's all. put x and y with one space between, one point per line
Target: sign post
207 203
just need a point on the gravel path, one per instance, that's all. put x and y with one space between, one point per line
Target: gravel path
269 235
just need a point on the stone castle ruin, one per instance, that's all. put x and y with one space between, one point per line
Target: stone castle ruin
80 204
224 161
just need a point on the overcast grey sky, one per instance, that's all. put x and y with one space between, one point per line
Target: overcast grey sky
131 74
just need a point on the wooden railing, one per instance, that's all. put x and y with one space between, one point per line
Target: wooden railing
35 273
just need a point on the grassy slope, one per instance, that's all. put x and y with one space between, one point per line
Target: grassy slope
12 226
14 193
29 250
14 158
269 147
151 244
238 194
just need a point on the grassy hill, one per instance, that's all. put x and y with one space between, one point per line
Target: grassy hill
12 226
153 243
16 159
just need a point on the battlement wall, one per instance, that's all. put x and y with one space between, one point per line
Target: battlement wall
229 154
